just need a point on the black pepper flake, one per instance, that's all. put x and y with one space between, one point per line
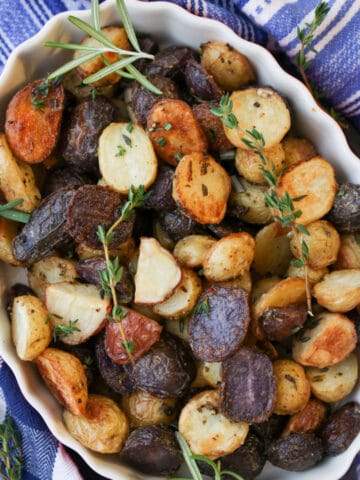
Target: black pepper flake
204 190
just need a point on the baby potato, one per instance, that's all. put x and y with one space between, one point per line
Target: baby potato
248 163
332 384
313 276
50 270
65 377
297 150
229 257
207 431
339 291
313 183
349 252
207 374
328 343
123 250
103 427
244 281
8 231
323 244
190 251
118 37
179 328
309 419
31 333
230 68
143 409
272 250
292 387
252 199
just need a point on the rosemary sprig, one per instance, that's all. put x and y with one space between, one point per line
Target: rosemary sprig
10 451
122 67
8 211
110 276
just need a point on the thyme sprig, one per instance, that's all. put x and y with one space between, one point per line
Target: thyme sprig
224 111
10 451
122 67
112 274
7 210
60 331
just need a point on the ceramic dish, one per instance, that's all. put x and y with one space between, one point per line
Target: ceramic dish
168 24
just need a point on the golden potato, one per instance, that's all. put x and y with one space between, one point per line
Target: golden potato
124 251
143 409
244 281
297 149
313 276
323 244
339 291
252 201
8 230
349 253
190 251
292 387
103 428
272 250
332 384
249 165
309 419
328 343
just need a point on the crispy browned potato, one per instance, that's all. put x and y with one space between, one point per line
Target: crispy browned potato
8 231
207 431
33 131
309 419
297 150
244 281
339 291
328 343
313 276
103 427
201 188
142 409
230 68
65 376
248 163
292 387
323 244
229 257
272 250
349 252
118 37
252 202
313 183
212 127
174 130
191 250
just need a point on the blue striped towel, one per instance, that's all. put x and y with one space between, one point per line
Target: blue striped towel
335 71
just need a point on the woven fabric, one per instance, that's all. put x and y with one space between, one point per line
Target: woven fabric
335 71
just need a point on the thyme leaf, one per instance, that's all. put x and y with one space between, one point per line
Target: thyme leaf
60 331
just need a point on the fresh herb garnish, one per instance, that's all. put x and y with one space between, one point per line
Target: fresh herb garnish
122 67
224 111
161 141
167 126
178 156
7 210
203 307
129 127
60 331
39 94
121 151
10 451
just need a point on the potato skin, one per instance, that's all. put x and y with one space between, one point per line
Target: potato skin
341 428
32 133
344 214
309 419
200 83
279 323
248 460
339 291
143 409
67 176
102 428
212 127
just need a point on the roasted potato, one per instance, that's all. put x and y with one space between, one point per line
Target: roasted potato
272 250
161 190
244 281
143 409
349 252
309 419
207 431
313 276
332 384
339 291
212 127
341 428
201 188
252 201
279 323
179 328
230 68
124 250
207 374
67 176
65 377
292 387
8 231
177 225
170 61
344 214
31 332
297 149
249 165
200 83
248 460
191 250
328 343
103 427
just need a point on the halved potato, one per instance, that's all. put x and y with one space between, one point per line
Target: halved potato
65 376
323 244
207 431
190 251
292 387
249 165
339 291
259 108
142 409
313 276
118 37
123 250
229 257
272 250
207 374
231 69
313 183
244 281
309 419
157 274
179 328
184 298
297 149
332 384
31 333
252 200
78 303
162 236
8 231
50 270
126 157
183 134
328 343
349 252
201 188
103 427
17 179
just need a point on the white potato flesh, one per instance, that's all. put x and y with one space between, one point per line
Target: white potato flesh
248 163
190 251
8 230
179 328
252 199
78 303
339 291
328 343
207 431
103 428
272 250
184 298
31 333
50 270
157 275
313 276
126 157
207 374
349 253
332 384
